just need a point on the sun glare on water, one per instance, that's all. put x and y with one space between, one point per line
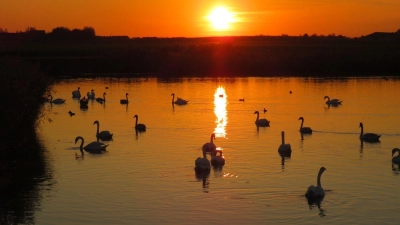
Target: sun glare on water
221 18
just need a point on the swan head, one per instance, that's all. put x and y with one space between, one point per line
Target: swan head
301 118
135 116
322 169
213 136
326 97
95 122
77 138
361 125
172 94
395 150
256 112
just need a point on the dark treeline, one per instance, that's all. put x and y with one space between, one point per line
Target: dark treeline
81 52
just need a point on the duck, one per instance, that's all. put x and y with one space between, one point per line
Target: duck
396 159
140 126
101 100
209 147
71 113
261 122
124 101
334 101
105 134
368 137
304 130
179 101
265 110
316 192
93 147
284 148
57 100
241 99
76 93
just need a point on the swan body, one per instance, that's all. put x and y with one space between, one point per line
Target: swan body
91 95
396 159
179 101
139 126
334 101
368 137
101 100
304 130
218 160
202 165
105 134
93 147
57 100
124 101
83 102
76 93
261 122
209 147
284 148
316 192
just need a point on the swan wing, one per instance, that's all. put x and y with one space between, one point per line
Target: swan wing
95 146
209 147
262 122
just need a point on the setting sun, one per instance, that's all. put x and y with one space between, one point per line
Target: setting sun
221 18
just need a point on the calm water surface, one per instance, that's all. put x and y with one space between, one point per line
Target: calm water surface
149 178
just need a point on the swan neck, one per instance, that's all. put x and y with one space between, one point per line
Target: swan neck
211 140
362 130
98 128
319 178
283 138
302 121
136 120
258 116
81 146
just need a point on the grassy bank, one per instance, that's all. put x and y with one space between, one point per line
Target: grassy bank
223 56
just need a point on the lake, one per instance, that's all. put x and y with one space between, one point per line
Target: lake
149 178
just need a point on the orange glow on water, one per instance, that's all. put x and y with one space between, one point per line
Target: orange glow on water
220 102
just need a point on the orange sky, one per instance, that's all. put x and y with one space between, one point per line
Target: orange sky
183 18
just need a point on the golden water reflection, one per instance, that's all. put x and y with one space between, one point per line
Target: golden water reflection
220 102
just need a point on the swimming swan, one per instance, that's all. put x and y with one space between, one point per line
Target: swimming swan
202 165
105 134
396 159
209 147
76 93
304 130
334 101
315 192
368 137
261 122
179 101
93 147
56 101
284 148
124 101
218 160
91 95
101 100
140 126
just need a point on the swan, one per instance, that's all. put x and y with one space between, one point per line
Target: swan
284 148
101 100
140 126
83 102
202 165
91 94
334 101
179 101
93 147
261 122
396 159
76 93
105 134
304 130
57 100
316 192
210 146
368 137
124 101
217 160
71 113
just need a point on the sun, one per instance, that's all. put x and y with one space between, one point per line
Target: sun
221 18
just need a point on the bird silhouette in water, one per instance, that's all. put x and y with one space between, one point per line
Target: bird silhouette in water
290 92
71 113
